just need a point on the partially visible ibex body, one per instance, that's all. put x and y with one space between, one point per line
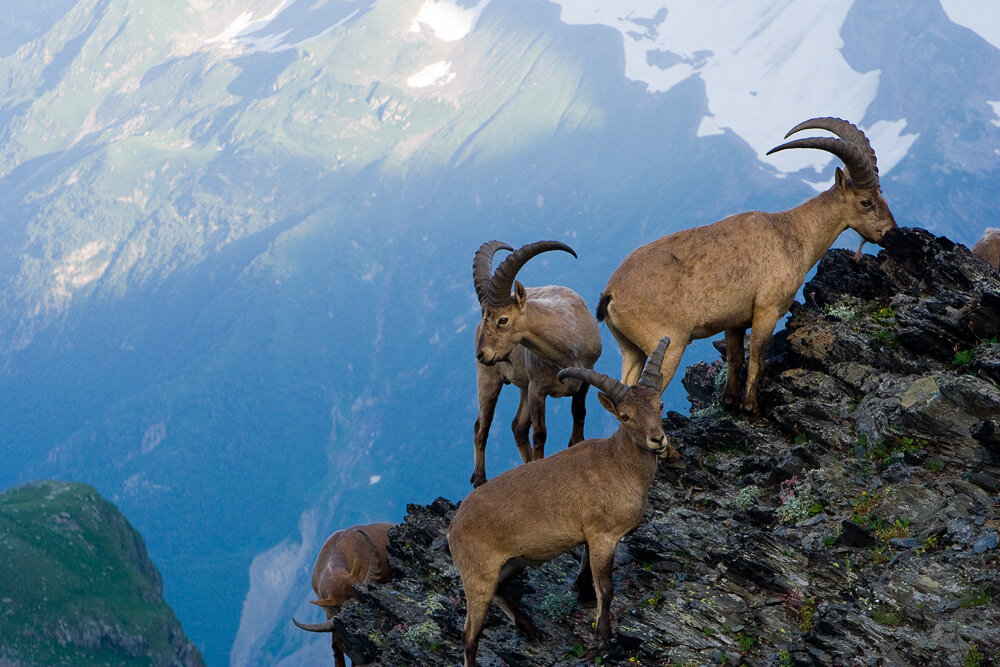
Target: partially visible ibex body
593 493
988 247
348 557
524 339
742 271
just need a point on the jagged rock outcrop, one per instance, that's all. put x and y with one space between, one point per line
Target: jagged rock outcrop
856 523
77 587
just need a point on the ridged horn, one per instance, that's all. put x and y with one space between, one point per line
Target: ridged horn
610 386
326 626
651 373
482 266
846 130
861 170
498 293
375 570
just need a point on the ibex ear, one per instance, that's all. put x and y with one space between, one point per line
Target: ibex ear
608 404
841 180
520 295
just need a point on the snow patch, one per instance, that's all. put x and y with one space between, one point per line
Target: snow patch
446 19
375 479
889 142
996 110
437 74
760 62
980 16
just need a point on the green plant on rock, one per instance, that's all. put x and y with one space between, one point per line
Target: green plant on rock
557 605
887 616
845 309
785 658
747 497
973 657
745 641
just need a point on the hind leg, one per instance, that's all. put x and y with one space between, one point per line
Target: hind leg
509 607
633 358
579 408
734 363
479 592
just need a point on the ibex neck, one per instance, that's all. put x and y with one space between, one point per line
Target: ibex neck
636 462
818 222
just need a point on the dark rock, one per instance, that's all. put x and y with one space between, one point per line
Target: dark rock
985 482
904 542
985 543
853 535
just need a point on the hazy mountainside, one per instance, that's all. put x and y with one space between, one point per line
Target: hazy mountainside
855 523
237 236
77 586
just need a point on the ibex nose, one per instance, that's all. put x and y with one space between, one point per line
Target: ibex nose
479 355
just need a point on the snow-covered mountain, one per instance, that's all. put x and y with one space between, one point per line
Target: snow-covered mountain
237 236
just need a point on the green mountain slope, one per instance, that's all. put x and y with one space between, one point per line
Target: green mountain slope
76 585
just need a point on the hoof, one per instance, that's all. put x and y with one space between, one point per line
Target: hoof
477 480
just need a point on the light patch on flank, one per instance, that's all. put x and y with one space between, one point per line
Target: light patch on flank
446 19
375 479
439 73
996 110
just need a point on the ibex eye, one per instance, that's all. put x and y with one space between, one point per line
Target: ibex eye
866 202
502 321
624 418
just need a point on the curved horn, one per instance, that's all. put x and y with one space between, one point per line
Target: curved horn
325 626
375 570
498 293
651 373
610 386
861 170
482 266
844 129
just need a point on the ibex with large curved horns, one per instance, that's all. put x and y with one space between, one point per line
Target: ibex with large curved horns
524 338
593 493
742 271
348 557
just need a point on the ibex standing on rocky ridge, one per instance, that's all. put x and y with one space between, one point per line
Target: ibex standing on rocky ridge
742 271
524 338
593 493
988 247
348 557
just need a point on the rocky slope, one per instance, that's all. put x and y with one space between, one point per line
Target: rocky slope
856 523
76 585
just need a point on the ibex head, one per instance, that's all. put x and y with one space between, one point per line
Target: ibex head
502 326
639 408
858 190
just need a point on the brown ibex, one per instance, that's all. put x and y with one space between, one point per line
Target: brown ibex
742 271
348 557
593 493
988 247
524 339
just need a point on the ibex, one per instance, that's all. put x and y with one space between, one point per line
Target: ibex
742 271
988 247
593 493
524 338
348 557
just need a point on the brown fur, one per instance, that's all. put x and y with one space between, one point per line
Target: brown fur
593 493
741 272
525 343
988 247
344 561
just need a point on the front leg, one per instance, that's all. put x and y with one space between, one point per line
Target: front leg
734 364
488 383
338 651
764 321
602 559
579 408
536 408
584 583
